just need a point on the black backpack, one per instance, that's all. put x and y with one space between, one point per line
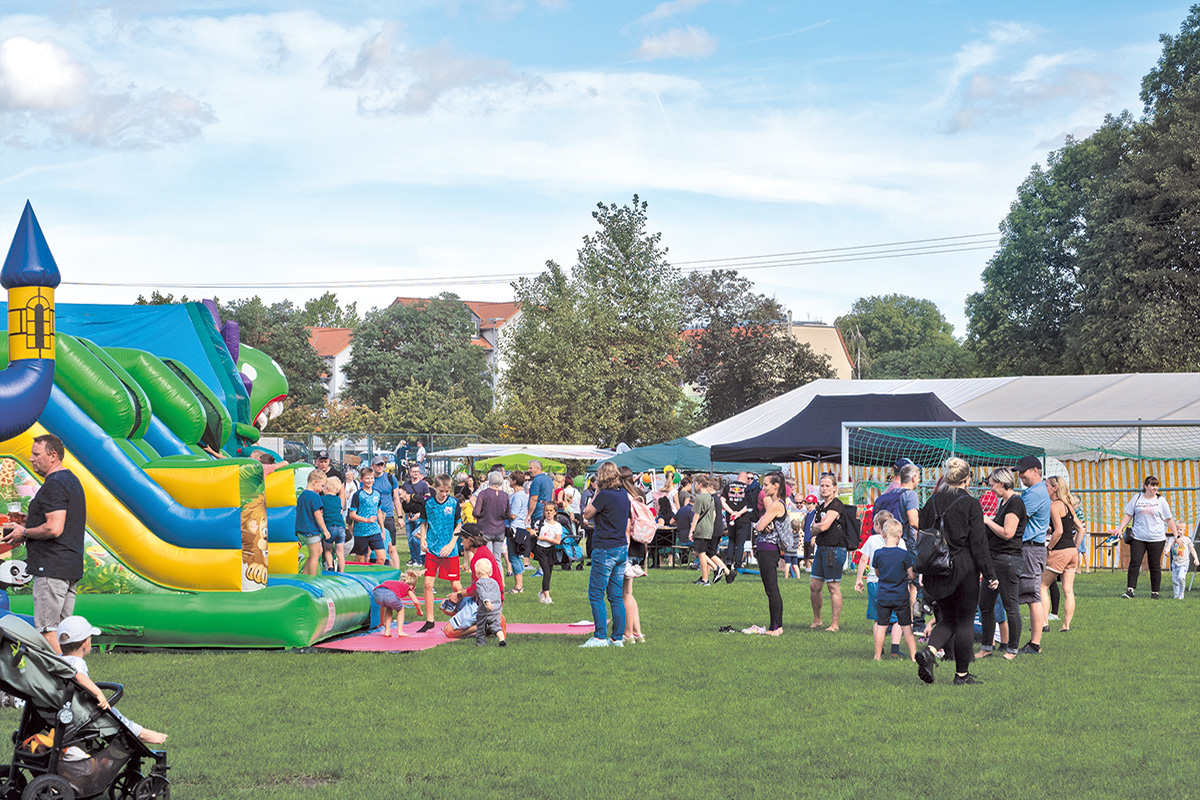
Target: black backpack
931 555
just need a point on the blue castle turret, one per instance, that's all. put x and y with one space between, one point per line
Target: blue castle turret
30 275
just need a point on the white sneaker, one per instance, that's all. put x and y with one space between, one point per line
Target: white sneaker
595 641
617 643
549 600
1053 616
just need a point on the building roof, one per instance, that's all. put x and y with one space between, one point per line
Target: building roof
492 315
330 341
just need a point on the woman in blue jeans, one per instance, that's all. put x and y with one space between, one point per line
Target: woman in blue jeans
608 512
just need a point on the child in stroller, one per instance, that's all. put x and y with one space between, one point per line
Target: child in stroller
69 744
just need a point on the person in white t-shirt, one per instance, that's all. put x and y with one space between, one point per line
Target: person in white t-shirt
1151 518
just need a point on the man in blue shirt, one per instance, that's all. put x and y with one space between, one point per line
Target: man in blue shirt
389 491
1033 548
541 491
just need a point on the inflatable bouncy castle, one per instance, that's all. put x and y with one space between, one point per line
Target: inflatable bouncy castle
188 542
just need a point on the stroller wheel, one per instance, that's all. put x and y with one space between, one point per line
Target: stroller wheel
153 787
122 787
48 787
11 788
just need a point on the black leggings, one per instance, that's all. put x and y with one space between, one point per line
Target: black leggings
1055 594
1008 572
768 568
1137 549
546 558
956 620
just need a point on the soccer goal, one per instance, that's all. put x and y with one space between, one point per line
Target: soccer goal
1105 463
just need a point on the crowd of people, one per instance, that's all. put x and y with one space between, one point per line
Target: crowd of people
1015 544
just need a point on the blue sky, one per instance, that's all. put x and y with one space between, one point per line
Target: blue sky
234 142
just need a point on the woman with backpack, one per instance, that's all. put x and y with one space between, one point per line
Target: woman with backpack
955 592
772 535
633 620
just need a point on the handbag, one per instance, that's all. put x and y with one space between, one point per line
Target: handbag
1127 537
932 555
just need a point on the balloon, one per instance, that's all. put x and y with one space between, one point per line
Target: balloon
579 481
646 479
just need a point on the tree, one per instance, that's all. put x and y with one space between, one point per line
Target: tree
893 333
156 298
324 312
1099 265
426 342
738 348
594 354
278 331
420 408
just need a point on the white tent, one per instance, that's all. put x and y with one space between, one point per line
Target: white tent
559 452
1038 398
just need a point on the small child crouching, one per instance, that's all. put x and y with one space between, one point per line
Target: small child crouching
487 596
390 597
75 638
893 564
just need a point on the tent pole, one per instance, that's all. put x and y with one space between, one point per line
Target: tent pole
845 453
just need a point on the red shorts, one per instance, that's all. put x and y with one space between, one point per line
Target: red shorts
445 568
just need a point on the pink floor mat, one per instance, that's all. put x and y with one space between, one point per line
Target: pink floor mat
375 642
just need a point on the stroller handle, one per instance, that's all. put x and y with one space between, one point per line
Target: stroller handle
116 689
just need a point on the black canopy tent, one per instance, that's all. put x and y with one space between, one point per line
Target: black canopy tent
815 434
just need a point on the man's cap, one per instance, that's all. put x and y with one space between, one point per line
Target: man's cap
812 498
471 529
904 462
1028 462
378 460
75 629
322 454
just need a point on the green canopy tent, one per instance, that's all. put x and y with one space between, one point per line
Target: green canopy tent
684 455
519 461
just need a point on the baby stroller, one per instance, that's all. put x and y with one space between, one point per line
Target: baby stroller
67 746
569 547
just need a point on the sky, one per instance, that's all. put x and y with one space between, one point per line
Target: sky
451 145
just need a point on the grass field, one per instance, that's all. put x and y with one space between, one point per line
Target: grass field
1108 711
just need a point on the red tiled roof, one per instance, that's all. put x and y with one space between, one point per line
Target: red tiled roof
484 343
329 341
491 315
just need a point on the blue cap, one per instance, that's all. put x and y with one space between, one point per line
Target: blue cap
29 262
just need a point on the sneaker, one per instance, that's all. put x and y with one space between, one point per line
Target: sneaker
725 629
701 582
1128 593
630 639
549 600
595 641
1053 616
1154 595
965 680
617 643
1030 650
926 661
730 576
537 574
1046 628
720 573
754 629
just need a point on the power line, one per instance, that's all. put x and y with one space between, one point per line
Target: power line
800 258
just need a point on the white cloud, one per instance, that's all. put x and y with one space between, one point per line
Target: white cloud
671 8
46 96
690 42
393 80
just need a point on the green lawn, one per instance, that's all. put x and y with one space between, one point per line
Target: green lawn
1108 711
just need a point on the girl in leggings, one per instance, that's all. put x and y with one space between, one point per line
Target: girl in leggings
546 550
956 594
772 533
1151 518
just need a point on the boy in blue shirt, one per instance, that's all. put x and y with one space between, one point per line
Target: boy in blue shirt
335 524
367 516
893 564
441 522
310 524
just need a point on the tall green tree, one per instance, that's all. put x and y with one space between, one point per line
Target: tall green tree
1099 265
898 336
429 342
594 354
278 331
326 312
738 349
